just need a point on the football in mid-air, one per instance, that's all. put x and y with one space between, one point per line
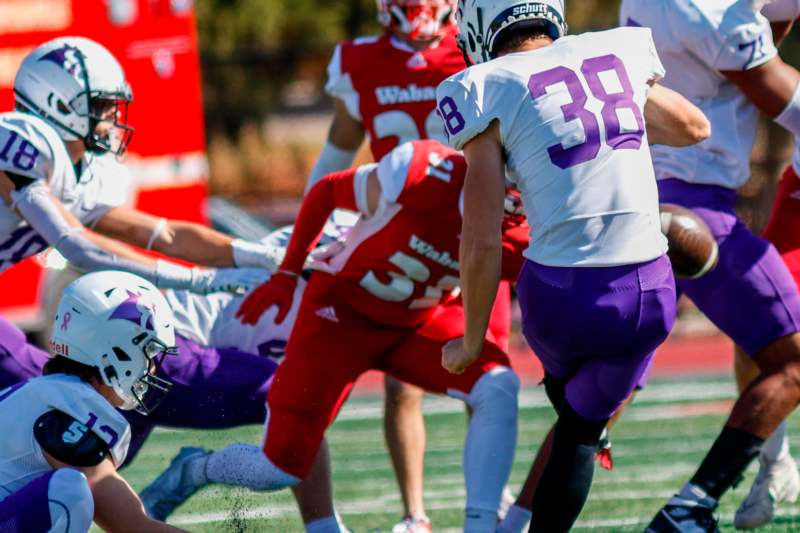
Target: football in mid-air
692 248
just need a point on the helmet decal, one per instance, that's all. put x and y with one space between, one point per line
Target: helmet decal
65 321
132 310
69 58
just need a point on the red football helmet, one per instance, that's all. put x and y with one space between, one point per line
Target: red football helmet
417 20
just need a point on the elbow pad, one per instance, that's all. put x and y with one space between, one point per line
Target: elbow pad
790 116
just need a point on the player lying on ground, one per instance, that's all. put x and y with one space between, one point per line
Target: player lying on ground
596 290
724 58
58 467
219 381
58 174
392 105
392 287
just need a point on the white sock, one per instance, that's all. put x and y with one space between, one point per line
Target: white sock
692 493
515 521
491 440
776 447
479 520
329 524
245 465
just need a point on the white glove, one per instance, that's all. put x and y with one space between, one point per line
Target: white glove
248 254
233 280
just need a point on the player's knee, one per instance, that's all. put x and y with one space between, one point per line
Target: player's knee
399 393
781 356
290 448
496 391
577 429
70 501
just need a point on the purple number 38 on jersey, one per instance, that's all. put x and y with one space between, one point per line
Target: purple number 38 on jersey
576 109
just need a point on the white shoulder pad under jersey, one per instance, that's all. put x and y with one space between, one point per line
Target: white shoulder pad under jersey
781 10
697 39
210 320
21 405
340 85
571 123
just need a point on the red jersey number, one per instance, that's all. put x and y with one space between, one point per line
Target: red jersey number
401 124
402 286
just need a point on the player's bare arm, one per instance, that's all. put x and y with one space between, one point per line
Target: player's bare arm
481 246
672 119
780 30
89 251
180 239
117 508
344 138
345 132
773 89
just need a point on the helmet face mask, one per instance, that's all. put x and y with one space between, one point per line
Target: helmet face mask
79 88
481 21
121 325
419 21
151 390
108 123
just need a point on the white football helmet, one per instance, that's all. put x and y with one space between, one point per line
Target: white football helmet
481 21
79 88
122 325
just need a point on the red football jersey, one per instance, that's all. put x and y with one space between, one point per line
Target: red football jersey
401 262
391 88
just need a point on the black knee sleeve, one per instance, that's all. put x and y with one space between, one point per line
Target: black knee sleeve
574 428
567 477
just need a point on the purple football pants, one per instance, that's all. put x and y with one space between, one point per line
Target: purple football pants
59 500
212 388
596 329
750 295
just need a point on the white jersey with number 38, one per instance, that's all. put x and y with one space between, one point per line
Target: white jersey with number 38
571 122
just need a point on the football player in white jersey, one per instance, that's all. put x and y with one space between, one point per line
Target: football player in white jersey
59 177
220 381
564 118
58 468
721 55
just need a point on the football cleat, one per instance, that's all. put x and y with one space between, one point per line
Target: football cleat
175 485
412 524
776 481
693 518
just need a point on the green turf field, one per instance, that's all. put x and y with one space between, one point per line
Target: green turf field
656 446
